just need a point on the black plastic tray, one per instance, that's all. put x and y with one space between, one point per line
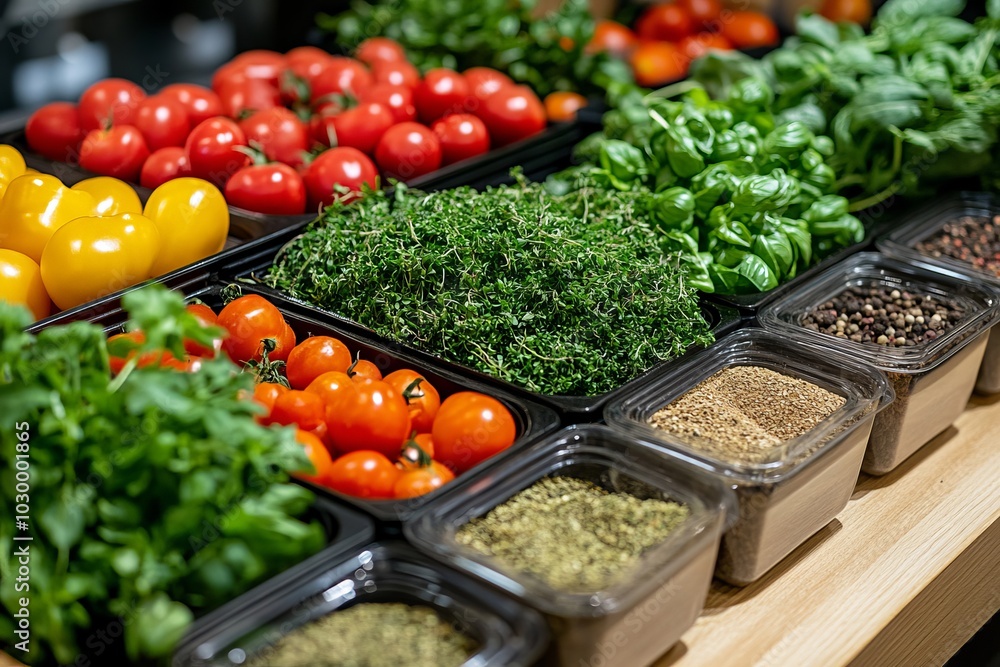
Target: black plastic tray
509 634
532 420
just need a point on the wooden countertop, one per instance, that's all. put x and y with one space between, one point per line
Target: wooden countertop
907 573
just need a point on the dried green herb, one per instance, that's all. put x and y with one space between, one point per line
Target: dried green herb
560 294
572 533
372 635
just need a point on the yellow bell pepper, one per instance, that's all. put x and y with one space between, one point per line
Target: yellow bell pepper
112 195
21 283
11 166
34 207
91 257
193 220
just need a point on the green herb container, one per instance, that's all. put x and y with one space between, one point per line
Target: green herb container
795 488
920 224
628 623
506 633
933 380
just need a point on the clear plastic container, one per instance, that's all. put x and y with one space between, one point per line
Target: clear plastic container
507 633
631 622
924 223
798 486
932 381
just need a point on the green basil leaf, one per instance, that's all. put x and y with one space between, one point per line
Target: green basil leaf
674 207
754 269
814 28
776 251
724 278
735 233
623 162
682 153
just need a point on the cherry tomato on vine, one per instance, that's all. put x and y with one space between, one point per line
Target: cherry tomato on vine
163 122
347 167
612 37
380 50
561 106
362 370
368 415
512 114
408 150
442 91
313 357
163 165
667 22
302 408
364 474
397 99
399 73
273 189
461 136
200 103
422 399
280 134
423 480
484 81
410 456
211 150
55 132
470 428
747 30
119 152
110 101
318 455
250 320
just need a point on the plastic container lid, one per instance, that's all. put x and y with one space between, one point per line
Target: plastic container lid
921 224
507 633
613 461
863 387
868 270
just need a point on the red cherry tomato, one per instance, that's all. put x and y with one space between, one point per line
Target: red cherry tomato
696 46
119 152
397 99
259 64
470 428
512 114
163 122
199 102
364 474
211 150
612 37
400 73
408 150
301 408
360 127
250 320
748 30
423 480
362 370
329 385
658 63
208 318
307 62
281 135
273 189
380 50
241 99
318 455
163 165
847 11
664 23
111 101
368 415
443 91
462 136
54 131
484 81
341 76
348 167
421 398
314 357
704 13
561 106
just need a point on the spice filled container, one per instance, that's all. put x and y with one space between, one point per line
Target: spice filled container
925 328
613 541
784 425
386 600
960 232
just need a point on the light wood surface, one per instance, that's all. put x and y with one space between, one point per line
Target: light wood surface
907 573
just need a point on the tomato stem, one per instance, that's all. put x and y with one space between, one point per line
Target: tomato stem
412 455
413 390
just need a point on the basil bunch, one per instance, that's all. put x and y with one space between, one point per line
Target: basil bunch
911 105
745 198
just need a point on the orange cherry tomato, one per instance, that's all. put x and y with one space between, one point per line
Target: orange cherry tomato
704 13
362 369
329 385
470 428
208 318
297 407
422 399
847 11
696 46
562 106
748 30
414 450
665 22
313 357
658 63
371 415
364 474
318 456
250 320
266 393
612 37
421 481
